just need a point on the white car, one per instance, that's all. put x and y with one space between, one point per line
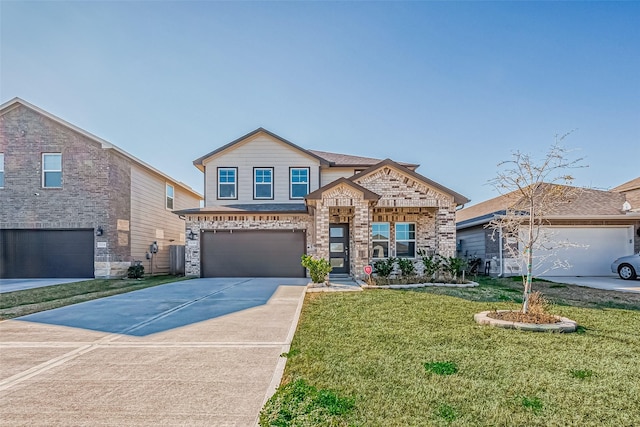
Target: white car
627 267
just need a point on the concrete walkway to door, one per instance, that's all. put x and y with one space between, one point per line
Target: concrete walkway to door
198 352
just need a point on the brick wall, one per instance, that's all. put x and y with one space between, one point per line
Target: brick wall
238 222
95 182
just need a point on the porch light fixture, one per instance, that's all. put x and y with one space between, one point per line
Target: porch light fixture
99 231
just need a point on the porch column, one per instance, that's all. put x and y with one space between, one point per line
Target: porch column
322 230
361 231
446 230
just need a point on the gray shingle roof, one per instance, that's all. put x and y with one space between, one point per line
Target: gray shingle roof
587 202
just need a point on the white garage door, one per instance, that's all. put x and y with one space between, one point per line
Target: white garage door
596 248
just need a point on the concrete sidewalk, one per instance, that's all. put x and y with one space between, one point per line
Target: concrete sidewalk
218 371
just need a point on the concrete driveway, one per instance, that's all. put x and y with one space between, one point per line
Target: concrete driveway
197 352
610 283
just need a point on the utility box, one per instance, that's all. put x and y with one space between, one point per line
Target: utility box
176 260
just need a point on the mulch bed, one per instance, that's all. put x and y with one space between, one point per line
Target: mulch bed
518 316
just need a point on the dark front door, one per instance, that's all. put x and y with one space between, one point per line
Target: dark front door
339 248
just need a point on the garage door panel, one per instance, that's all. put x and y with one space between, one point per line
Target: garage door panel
46 254
252 253
591 252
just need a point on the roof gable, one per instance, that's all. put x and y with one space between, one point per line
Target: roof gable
344 183
199 162
634 184
17 102
413 183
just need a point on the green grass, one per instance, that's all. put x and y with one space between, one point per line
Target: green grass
373 347
28 301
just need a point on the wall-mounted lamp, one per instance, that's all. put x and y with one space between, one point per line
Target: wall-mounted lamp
99 231
190 234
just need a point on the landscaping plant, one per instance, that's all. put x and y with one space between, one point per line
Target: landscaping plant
318 268
406 266
432 264
533 191
453 266
384 268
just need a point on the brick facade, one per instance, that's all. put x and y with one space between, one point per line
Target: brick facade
200 223
96 184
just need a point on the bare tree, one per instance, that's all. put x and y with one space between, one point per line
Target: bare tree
532 191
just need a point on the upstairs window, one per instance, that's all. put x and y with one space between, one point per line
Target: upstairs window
169 199
263 183
1 170
380 239
405 240
299 182
51 170
227 183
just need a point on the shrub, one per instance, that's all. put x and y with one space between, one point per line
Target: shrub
318 268
406 267
136 271
432 264
453 266
384 268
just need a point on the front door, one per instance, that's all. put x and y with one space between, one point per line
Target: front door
339 248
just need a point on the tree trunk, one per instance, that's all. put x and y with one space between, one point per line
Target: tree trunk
529 249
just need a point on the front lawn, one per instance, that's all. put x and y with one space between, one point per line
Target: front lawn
28 301
417 358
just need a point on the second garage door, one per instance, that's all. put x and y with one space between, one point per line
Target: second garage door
255 253
46 254
595 248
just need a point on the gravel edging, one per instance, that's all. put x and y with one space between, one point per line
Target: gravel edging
564 325
421 285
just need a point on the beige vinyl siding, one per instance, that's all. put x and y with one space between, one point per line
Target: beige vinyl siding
328 175
260 151
151 221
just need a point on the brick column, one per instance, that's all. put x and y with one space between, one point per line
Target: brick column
446 230
322 230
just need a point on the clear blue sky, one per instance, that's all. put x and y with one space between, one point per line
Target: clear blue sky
454 86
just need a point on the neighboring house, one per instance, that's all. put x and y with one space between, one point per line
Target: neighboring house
631 191
269 201
594 222
73 205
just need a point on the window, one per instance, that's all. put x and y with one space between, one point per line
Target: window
405 240
263 183
1 170
52 170
380 239
169 202
227 183
299 182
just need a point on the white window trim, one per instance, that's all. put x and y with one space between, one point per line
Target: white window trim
373 241
167 197
2 169
291 183
405 240
51 170
235 183
255 183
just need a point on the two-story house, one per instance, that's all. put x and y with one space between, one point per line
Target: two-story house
73 205
268 201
